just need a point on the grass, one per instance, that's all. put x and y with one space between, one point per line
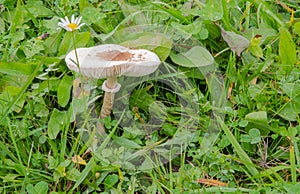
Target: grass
219 115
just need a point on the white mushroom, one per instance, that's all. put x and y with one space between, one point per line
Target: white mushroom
111 61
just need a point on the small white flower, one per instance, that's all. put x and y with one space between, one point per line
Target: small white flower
70 26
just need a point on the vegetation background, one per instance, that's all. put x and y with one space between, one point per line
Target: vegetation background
237 58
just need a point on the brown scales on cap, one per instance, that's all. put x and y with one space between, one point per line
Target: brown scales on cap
115 55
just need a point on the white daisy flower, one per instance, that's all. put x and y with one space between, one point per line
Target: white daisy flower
70 26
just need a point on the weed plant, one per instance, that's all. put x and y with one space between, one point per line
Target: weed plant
220 115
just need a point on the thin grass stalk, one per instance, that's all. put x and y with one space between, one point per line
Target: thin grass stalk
11 135
238 148
28 165
293 162
297 154
65 132
90 165
247 18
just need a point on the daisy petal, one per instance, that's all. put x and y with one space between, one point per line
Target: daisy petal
70 26
80 25
67 20
73 19
76 20
62 20
79 20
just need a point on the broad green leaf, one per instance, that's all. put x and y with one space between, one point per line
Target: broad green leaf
291 188
256 51
52 43
291 109
236 42
213 10
254 48
64 90
134 131
156 42
190 29
16 68
243 123
110 181
265 32
297 28
291 89
194 73
287 50
19 168
260 116
94 12
168 129
65 163
293 131
55 123
18 18
258 120
67 44
196 57
59 172
83 4
53 162
126 142
147 164
10 92
109 6
203 34
73 174
30 189
9 177
255 136
31 48
37 9
141 98
106 153
40 188
128 9
15 37
245 138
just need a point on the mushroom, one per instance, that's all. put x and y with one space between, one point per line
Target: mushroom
111 61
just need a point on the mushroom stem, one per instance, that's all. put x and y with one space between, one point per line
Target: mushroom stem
108 101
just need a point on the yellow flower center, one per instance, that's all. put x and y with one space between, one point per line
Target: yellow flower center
72 26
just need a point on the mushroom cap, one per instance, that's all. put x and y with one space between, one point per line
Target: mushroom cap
110 60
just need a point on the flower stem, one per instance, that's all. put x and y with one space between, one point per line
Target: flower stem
76 55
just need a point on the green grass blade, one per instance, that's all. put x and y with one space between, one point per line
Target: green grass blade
84 174
297 154
26 85
293 163
27 170
239 150
91 163
173 12
273 171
